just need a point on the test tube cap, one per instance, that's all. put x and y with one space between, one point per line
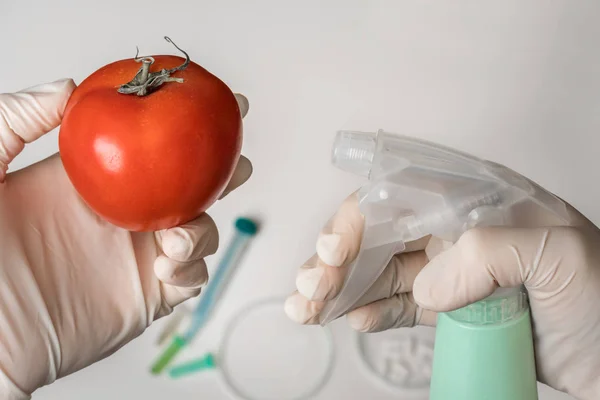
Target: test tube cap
246 226
167 356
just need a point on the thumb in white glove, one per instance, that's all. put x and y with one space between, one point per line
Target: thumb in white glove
560 268
29 114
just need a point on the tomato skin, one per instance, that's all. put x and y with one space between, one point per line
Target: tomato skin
153 162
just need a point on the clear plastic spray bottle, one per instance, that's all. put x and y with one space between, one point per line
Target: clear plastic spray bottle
415 189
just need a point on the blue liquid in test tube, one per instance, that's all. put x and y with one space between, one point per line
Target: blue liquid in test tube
245 229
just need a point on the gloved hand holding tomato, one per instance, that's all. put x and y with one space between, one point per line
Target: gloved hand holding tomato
89 258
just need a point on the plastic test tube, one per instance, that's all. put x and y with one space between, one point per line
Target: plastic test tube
245 229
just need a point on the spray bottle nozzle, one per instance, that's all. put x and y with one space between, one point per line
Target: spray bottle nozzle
354 152
416 188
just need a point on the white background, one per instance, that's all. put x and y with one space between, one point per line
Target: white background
514 81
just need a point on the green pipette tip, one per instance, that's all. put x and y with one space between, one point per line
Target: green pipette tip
165 358
206 362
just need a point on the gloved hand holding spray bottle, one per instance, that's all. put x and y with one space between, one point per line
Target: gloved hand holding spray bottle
417 189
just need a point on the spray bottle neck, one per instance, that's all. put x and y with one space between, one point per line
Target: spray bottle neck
504 305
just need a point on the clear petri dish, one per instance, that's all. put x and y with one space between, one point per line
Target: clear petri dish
266 356
400 359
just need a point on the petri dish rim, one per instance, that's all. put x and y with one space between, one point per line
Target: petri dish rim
233 390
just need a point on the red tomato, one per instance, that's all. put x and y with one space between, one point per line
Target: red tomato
154 161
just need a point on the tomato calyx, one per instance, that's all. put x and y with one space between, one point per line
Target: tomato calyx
146 82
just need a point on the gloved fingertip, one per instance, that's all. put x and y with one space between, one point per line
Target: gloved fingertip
243 104
301 310
436 246
242 173
30 113
424 296
359 320
189 293
187 275
455 277
424 290
331 250
64 86
164 268
291 309
426 317
177 244
308 280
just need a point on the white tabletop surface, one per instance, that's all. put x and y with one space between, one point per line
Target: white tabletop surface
516 82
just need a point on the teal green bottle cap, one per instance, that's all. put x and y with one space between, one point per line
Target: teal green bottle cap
246 226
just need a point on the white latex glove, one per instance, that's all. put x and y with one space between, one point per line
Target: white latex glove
560 267
73 288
